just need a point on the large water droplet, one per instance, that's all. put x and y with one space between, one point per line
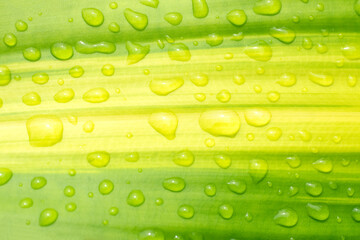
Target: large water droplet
96 95
163 87
38 183
200 8
64 96
286 217
237 186
135 198
258 169
186 211
267 7
92 16
100 47
32 54
226 211
287 80
355 214
313 188
164 123
214 39
21 26
44 130
47 217
225 123
174 18
283 34
136 52
174 184
62 51
321 79
351 51
98 159
184 158
179 52
10 40
5 175
318 211
106 187
31 99
259 51
323 165
137 20
257 117
237 17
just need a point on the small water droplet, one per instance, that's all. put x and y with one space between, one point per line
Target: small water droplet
62 51
350 191
38 183
26 203
307 43
114 27
186 211
135 198
136 52
287 80
355 214
351 51
132 157
238 79
98 159
184 158
210 190
283 34
76 71
5 175
237 17
10 40
293 190
200 8
48 217
174 184
258 169
106 187
209 142
179 52
69 191
174 18
151 234
333 185
237 186
305 135
273 134
222 160
31 99
214 39
199 79
113 211
92 16
286 217
223 96
313 188
224 123
70 207
32 54
21 26
159 201
257 117
248 217
293 161
150 3
96 95
259 51
226 211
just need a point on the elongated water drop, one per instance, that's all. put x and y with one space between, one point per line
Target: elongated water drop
351 51
258 169
259 51
174 18
286 217
64 96
257 117
5 75
200 8
283 34
96 95
267 7
164 123
100 47
137 20
323 165
44 130
318 211
136 52
163 87
355 214
150 3
321 79
225 123
26 203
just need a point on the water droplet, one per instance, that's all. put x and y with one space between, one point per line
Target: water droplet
223 96
76 71
163 87
96 95
200 8
179 52
226 211
320 7
159 201
10 40
136 52
32 54
305 135
293 191
21 26
72 119
184 158
236 186
318 211
100 47
219 68
164 123
31 99
38 183
350 191
113 5
47 217
113 211
135 198
273 134
150 3
174 18
307 43
238 79
26 203
352 80
225 123
273 96
237 36
62 51
323 165
260 71
333 185
250 136
64 96
200 97
222 160
186 211
106 187
237 17
209 142
248 217
210 190
44 130
5 175
214 39
70 207
259 51
267 7
287 80
199 79
69 191
72 172
92 16
351 51
283 34
137 20
293 161
296 19
114 27
258 169
151 234
286 217
40 78
257 117
355 214
229 56
98 159
313 188
357 7
132 157
175 184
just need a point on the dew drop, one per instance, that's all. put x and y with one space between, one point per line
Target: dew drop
98 159
225 123
226 211
267 7
305 135
64 96
174 18
273 134
106 187
323 165
40 78
222 160
200 8
287 80
351 51
355 214
136 52
283 34
70 207
38 183
293 161
76 71
186 211
10 40
96 95
5 175
214 39
210 190
92 16
223 96
259 51
293 191
163 87
137 20
21 26
238 79
237 17
132 157
164 123
32 54
321 48
150 3
179 52
318 211
26 203
114 27
151 234
307 43
257 117
5 75
135 198
313 188
31 99
273 96
44 130
113 211
184 158
286 217
100 47
199 79
236 186
258 169
174 184
48 217
62 51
